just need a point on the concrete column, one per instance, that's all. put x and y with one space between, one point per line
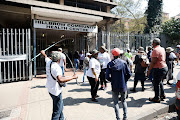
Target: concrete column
108 9
61 2
108 37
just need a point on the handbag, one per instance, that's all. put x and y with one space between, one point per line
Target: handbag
144 62
60 84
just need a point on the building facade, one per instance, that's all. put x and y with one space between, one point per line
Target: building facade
75 23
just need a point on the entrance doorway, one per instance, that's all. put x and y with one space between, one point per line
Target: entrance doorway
71 41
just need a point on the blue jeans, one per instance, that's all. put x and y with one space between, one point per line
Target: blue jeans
57 107
158 76
62 67
86 68
76 62
115 96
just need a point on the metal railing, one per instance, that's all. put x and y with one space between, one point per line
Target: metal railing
125 40
15 54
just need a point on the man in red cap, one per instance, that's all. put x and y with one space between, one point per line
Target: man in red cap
118 73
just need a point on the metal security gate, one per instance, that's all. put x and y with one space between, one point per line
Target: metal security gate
15 54
126 40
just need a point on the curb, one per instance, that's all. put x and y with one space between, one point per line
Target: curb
151 114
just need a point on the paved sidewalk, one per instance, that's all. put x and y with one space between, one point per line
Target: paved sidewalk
29 100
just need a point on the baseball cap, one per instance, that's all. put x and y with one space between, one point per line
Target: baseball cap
60 49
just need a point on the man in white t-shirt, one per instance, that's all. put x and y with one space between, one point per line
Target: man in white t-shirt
104 59
62 63
54 77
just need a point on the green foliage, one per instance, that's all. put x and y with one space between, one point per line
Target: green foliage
131 16
172 29
137 28
154 14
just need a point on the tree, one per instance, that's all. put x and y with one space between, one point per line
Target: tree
137 28
128 9
154 14
172 29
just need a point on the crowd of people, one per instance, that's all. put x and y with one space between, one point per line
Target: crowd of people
156 65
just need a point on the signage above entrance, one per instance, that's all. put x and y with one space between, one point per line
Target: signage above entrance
64 26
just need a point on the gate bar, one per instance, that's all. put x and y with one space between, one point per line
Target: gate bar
19 53
4 54
16 50
0 62
8 54
12 54
29 46
27 55
23 53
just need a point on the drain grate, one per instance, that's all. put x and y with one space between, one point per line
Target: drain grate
4 114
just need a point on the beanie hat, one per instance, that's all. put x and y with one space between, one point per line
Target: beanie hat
116 52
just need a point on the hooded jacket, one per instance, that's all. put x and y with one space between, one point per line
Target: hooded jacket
118 73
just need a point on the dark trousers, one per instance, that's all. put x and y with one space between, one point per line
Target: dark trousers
141 77
81 64
158 76
94 86
169 75
102 77
57 107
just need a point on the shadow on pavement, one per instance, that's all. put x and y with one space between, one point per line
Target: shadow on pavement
137 103
85 84
80 90
72 83
38 86
69 101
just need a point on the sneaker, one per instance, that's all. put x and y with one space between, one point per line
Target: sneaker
101 88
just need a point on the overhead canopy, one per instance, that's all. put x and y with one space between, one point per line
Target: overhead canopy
65 16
